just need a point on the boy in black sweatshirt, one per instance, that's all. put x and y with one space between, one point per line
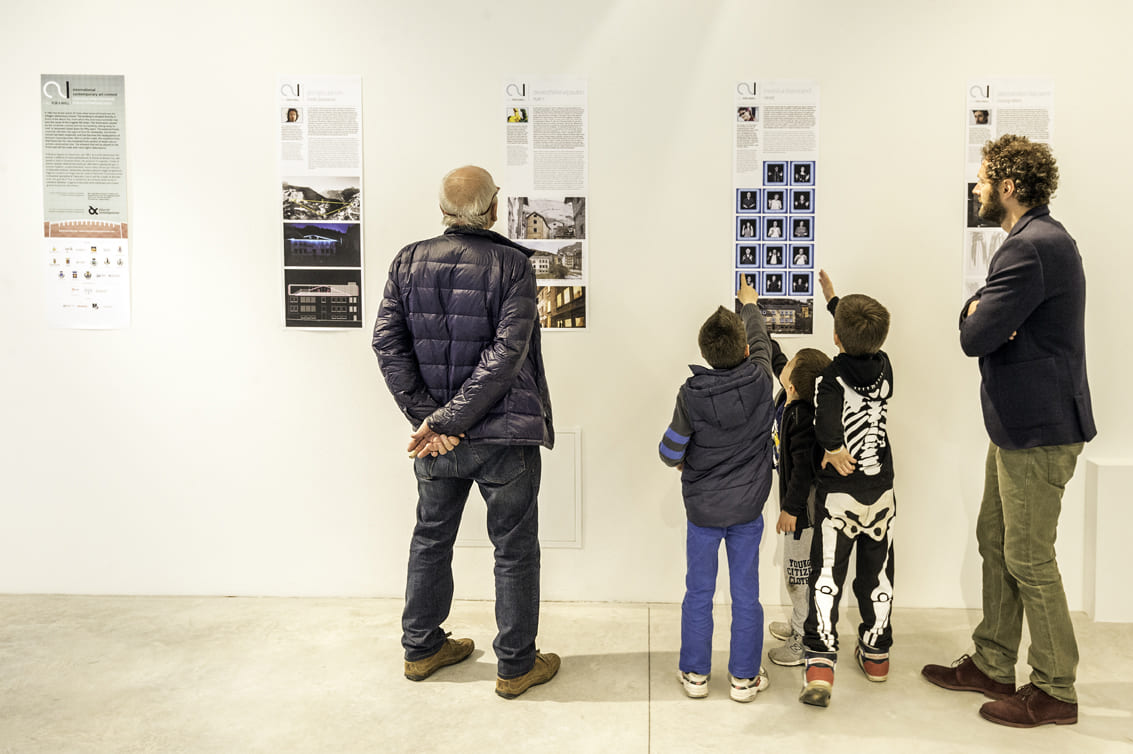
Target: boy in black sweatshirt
855 495
797 462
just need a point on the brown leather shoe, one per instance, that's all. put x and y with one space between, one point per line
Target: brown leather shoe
965 676
546 665
450 653
1030 707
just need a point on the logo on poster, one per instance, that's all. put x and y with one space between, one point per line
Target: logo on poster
49 85
516 90
980 92
746 89
92 210
289 90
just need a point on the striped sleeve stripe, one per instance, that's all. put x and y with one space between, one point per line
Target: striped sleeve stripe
670 453
675 437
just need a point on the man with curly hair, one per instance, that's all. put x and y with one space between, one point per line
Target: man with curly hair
1027 327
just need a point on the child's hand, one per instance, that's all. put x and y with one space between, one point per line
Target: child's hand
841 460
786 523
680 466
827 285
746 294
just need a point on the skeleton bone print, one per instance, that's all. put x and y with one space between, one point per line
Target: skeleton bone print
863 417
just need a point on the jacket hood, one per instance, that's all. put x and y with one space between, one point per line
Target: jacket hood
867 375
713 392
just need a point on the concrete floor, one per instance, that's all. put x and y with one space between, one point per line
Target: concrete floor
148 674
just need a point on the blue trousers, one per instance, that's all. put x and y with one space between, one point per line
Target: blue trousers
508 478
702 551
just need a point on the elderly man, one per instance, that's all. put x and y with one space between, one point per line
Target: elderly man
457 340
1026 325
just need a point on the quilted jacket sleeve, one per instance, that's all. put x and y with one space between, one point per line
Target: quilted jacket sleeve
500 361
393 345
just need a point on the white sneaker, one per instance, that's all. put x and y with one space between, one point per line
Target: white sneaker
695 684
790 654
745 689
781 631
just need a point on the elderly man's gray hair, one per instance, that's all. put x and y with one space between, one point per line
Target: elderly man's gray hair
467 195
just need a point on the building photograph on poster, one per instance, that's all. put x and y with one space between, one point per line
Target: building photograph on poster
562 306
322 245
322 298
546 218
322 198
557 260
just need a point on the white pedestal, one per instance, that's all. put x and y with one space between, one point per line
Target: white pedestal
1108 595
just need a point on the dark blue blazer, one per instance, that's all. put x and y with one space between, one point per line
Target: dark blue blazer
1034 389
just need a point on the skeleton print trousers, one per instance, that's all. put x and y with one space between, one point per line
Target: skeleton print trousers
848 524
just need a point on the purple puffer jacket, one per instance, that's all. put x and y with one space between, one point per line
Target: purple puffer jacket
457 339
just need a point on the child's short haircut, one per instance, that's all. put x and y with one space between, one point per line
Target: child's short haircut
722 339
809 364
861 324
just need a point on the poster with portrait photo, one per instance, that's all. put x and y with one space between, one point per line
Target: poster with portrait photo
775 200
753 279
773 284
778 156
802 256
747 114
802 201
748 200
802 173
774 173
802 228
774 255
775 228
747 229
747 255
802 283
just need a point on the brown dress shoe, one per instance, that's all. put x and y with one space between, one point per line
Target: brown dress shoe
450 653
544 669
965 676
1029 707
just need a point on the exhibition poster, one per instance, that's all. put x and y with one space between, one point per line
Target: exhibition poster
320 165
774 199
996 107
85 224
545 190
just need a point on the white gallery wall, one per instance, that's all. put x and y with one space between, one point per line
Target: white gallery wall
205 450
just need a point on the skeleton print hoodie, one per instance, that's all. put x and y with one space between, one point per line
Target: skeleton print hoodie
851 398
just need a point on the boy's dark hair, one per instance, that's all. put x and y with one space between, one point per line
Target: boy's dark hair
809 364
1030 164
722 339
861 324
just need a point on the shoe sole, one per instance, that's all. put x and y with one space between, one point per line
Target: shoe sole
1011 724
816 694
743 696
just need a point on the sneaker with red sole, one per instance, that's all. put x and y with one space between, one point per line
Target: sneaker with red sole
874 664
819 684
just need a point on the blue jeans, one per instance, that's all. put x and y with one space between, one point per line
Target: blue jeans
703 548
508 478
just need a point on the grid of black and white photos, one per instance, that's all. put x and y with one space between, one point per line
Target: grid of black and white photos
775 242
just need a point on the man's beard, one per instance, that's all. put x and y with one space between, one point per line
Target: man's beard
993 210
